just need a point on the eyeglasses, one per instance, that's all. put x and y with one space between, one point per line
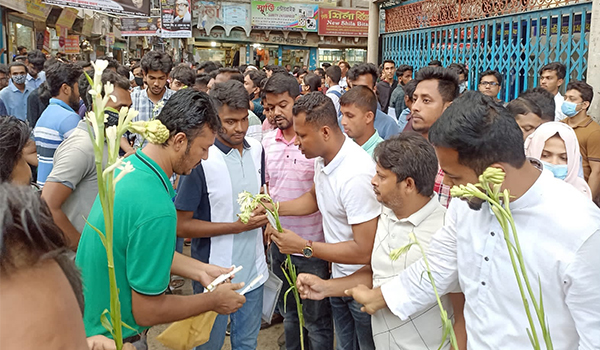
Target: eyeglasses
489 83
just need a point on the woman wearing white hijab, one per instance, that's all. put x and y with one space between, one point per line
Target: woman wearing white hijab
556 145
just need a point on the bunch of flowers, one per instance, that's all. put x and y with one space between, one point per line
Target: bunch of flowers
248 203
155 132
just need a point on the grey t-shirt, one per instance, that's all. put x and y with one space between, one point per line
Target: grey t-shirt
74 167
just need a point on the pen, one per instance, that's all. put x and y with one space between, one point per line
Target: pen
222 278
252 284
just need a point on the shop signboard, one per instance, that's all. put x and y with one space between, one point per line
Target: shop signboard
110 39
88 23
293 39
227 15
67 18
284 16
38 10
46 45
176 18
343 22
139 26
121 7
72 44
17 5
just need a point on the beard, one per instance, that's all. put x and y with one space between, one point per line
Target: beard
228 138
475 203
74 102
282 122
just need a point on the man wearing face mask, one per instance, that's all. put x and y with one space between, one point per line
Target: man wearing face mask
72 185
16 93
463 76
35 65
577 101
138 77
252 82
59 119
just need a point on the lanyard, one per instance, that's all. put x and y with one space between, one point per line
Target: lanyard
154 170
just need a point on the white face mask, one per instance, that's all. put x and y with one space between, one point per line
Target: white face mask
462 87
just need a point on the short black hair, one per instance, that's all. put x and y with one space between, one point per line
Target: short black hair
156 61
320 72
233 73
17 64
62 73
107 76
231 93
435 63
4 69
544 101
585 90
188 111
481 131
29 236
37 59
85 64
300 72
21 47
559 68
203 79
257 77
334 73
313 81
344 63
112 63
281 83
523 105
362 97
207 66
52 61
325 65
184 74
388 61
13 138
362 69
408 154
493 72
123 71
446 78
409 88
459 69
319 110
403 68
277 69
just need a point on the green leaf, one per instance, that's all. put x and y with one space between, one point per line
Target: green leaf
285 298
90 81
106 322
102 236
128 326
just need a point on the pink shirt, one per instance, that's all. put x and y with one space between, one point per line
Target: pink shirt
290 175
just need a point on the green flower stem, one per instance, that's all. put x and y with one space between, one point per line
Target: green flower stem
450 330
291 277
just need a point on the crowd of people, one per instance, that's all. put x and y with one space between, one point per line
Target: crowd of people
359 158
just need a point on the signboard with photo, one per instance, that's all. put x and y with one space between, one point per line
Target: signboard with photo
284 15
139 26
224 14
176 18
122 7
343 22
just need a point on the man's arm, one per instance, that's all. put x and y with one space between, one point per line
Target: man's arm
304 205
594 180
152 310
189 227
196 270
55 194
314 288
30 153
355 251
581 286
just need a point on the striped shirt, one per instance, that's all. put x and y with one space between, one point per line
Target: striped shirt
56 123
143 104
290 175
441 189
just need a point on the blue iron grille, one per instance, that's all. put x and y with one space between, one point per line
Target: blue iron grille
516 45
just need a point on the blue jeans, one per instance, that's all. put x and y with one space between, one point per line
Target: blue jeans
352 326
179 245
318 328
245 324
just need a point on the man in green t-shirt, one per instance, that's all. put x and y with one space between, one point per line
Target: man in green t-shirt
145 223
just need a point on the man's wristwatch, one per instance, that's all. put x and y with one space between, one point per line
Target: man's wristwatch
307 251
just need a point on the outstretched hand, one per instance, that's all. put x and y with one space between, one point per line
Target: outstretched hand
371 299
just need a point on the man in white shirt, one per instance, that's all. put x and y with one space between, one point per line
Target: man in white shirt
406 171
343 194
334 90
559 232
552 76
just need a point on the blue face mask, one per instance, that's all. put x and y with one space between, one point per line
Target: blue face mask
569 108
560 171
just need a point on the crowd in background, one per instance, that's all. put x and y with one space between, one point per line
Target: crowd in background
358 157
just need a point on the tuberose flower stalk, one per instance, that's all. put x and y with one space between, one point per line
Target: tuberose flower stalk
106 180
248 203
488 189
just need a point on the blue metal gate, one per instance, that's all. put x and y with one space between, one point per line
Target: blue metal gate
516 45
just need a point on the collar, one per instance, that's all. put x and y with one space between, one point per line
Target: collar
55 101
279 137
339 157
536 192
14 88
30 77
417 217
582 124
155 168
226 149
371 141
335 88
165 97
